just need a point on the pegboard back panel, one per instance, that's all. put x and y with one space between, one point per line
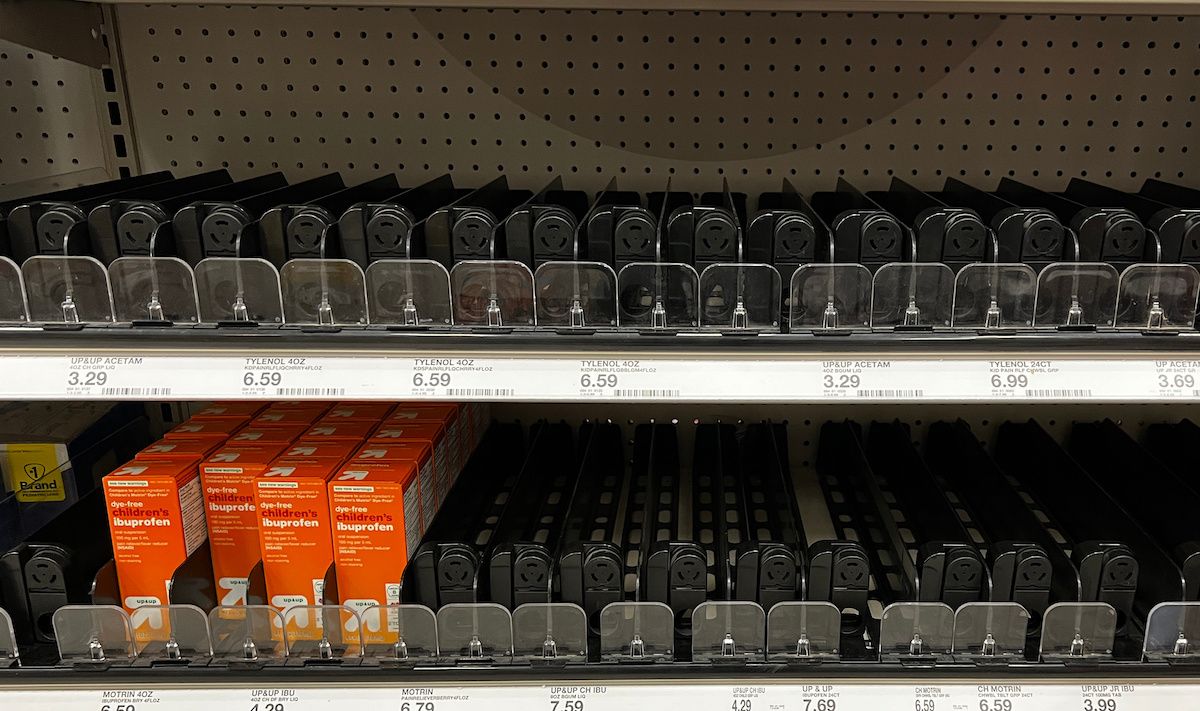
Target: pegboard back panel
698 96
50 125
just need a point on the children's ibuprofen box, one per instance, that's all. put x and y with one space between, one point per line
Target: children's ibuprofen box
376 528
156 519
294 530
228 477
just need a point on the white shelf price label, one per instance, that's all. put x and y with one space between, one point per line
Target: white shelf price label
931 698
291 377
819 697
1177 378
858 378
1005 697
111 376
1108 697
274 700
464 378
572 698
1018 378
622 378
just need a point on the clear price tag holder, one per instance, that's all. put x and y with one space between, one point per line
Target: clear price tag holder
94 637
830 299
248 636
637 633
154 292
14 304
171 635
1156 299
67 292
10 653
1078 632
912 296
475 633
804 633
994 298
323 294
1076 296
729 633
239 292
916 633
549 634
408 294
576 298
657 298
1173 633
990 632
323 635
740 299
493 296
399 635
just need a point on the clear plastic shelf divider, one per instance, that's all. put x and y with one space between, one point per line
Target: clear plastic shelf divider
916 630
1078 630
990 630
323 292
10 654
154 289
657 295
729 630
67 290
990 295
912 295
1173 632
323 632
14 304
408 292
493 294
1076 295
475 633
576 295
803 631
171 633
400 634
238 289
637 632
831 297
740 297
550 632
1157 297
247 634
94 634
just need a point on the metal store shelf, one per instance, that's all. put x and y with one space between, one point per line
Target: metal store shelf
284 363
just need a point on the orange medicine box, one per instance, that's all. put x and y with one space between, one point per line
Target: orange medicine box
179 449
456 429
294 530
156 520
375 508
267 435
338 449
228 478
286 418
234 408
353 431
418 451
439 444
362 411
216 428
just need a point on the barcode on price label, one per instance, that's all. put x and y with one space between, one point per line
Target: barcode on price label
1058 393
481 392
136 392
646 393
310 392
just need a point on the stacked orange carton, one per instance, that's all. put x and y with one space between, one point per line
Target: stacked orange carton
299 486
